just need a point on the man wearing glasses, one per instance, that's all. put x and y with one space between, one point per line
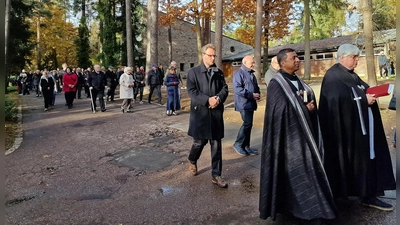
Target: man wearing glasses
208 91
357 158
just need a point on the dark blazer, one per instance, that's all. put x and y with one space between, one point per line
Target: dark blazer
206 123
97 81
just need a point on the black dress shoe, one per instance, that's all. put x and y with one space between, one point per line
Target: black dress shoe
376 203
103 110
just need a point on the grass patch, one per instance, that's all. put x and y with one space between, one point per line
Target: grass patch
12 127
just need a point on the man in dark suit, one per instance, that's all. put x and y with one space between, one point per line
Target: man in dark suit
97 81
208 91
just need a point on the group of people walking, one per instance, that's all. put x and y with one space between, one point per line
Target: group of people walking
97 83
310 157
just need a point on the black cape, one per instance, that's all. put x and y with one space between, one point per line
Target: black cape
293 179
347 158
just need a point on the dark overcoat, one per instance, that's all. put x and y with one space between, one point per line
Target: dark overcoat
292 177
347 150
203 83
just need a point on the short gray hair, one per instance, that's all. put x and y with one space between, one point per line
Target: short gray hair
127 68
345 50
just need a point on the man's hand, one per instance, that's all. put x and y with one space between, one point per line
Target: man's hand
213 102
371 99
310 106
90 88
256 96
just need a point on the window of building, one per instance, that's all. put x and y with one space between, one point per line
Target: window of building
377 51
191 65
232 48
182 67
236 63
301 57
323 56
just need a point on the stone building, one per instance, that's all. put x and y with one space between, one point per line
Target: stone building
184 46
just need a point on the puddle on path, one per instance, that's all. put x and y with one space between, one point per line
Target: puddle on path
143 158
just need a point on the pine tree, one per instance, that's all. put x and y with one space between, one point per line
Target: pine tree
82 45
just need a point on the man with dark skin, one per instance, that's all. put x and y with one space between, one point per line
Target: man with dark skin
293 180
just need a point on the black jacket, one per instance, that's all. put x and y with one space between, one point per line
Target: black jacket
154 77
206 123
111 78
97 81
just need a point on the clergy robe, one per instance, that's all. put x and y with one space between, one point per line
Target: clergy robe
293 180
349 168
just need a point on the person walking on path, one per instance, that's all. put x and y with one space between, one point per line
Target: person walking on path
208 91
246 94
126 84
111 83
292 177
138 76
172 84
155 80
357 158
70 80
47 85
97 81
382 65
272 70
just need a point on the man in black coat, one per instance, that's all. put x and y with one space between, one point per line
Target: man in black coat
111 83
292 176
357 158
97 81
155 80
80 84
208 91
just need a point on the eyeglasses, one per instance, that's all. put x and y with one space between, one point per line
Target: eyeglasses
353 56
215 56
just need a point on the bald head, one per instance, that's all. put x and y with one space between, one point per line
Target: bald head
248 61
274 63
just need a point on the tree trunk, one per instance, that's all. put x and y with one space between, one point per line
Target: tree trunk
38 54
169 43
198 36
218 32
307 63
366 9
266 38
129 44
257 40
8 11
152 33
83 8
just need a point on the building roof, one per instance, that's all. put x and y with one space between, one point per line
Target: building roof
323 45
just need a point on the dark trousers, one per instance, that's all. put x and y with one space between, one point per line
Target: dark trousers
48 97
37 90
385 73
216 154
111 93
100 94
69 98
78 90
158 88
87 91
138 90
243 136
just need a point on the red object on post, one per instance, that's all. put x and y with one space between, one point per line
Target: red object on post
380 90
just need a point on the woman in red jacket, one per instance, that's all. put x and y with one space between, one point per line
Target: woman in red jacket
69 86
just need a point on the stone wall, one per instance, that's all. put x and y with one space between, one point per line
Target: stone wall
184 46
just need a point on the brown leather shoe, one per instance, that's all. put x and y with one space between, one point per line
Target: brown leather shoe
193 168
220 182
